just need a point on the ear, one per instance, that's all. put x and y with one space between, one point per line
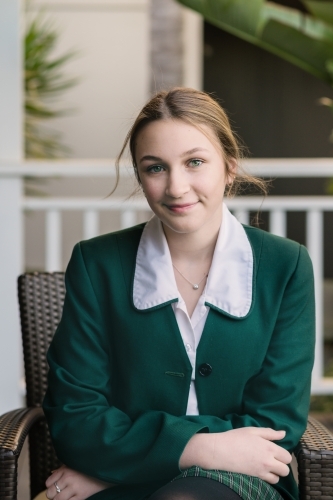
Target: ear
232 171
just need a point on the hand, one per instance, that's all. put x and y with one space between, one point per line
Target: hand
73 484
248 450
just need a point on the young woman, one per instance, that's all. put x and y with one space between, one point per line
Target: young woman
181 366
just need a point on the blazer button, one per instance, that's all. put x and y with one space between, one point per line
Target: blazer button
205 370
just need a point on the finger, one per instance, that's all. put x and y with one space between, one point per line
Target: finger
271 478
55 476
270 434
282 455
65 494
50 493
62 493
280 469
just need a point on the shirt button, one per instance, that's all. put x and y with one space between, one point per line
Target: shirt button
188 347
205 370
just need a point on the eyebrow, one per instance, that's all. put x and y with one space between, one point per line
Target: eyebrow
157 158
194 150
150 157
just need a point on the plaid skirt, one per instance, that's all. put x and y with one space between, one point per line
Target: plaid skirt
247 487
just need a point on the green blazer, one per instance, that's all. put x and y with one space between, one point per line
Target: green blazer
119 377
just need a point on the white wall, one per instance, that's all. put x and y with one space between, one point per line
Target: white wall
112 38
10 193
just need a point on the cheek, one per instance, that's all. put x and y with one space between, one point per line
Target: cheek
152 190
213 184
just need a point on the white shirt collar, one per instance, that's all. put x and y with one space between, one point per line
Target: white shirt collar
230 281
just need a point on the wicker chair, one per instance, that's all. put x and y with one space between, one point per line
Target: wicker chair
41 297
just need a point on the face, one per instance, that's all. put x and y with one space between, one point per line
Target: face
183 174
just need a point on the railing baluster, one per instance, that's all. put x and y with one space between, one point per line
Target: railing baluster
242 216
314 243
127 218
278 222
90 224
53 241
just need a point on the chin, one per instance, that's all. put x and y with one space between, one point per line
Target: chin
181 228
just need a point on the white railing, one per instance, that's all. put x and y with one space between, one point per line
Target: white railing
13 204
90 209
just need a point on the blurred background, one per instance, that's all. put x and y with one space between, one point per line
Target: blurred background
73 76
113 55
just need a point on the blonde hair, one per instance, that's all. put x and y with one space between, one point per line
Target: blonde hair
196 108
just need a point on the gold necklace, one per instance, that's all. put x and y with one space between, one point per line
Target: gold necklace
195 286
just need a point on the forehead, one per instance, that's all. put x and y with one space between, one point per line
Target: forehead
179 133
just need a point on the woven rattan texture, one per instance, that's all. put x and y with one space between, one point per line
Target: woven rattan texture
315 463
41 298
8 476
43 457
14 427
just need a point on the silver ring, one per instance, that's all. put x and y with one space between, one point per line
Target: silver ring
58 490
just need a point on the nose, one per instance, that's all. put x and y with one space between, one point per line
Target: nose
177 184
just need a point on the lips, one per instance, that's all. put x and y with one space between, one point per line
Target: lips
181 207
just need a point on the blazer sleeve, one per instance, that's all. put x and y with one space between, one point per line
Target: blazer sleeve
90 435
279 395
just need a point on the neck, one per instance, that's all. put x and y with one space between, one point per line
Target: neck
194 247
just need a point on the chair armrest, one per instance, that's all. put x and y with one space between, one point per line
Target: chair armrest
14 427
314 455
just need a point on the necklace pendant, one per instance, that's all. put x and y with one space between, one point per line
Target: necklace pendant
195 286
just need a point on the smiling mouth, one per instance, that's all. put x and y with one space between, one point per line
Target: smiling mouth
181 207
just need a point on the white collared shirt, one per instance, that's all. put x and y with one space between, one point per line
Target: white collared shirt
228 287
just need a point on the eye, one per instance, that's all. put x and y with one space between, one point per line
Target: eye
195 162
155 169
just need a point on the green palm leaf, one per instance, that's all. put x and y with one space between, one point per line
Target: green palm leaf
44 80
306 40
321 10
